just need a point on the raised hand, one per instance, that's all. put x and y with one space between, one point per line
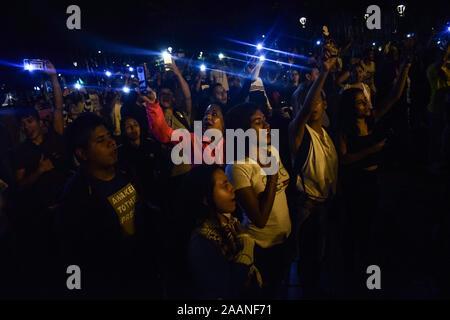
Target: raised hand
150 97
50 68
45 165
327 61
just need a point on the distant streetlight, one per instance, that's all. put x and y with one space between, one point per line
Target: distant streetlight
401 9
303 22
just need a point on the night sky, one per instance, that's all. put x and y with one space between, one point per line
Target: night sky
35 29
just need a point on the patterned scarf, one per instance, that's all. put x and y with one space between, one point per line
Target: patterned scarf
220 234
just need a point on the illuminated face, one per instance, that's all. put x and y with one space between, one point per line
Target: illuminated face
223 193
31 127
166 98
132 129
313 75
258 122
362 106
220 95
213 118
319 109
101 150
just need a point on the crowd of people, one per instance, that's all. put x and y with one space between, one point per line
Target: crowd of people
87 177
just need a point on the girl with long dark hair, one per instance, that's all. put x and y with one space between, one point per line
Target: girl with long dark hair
220 252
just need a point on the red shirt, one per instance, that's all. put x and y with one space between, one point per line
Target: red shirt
163 133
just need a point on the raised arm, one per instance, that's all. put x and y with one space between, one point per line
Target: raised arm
184 87
156 121
58 117
256 206
297 126
394 95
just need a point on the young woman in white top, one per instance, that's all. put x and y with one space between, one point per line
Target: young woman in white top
261 195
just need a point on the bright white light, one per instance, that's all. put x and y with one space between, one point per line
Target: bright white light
318 42
38 89
439 42
259 46
108 73
409 35
202 67
99 51
126 89
221 56
262 58
166 55
448 29
77 86
131 69
263 35
303 21
373 43
75 64
28 67
132 76
401 9
169 49
59 74
128 65
380 48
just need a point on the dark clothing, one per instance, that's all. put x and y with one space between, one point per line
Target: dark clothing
149 165
357 144
47 189
362 195
110 254
214 277
272 265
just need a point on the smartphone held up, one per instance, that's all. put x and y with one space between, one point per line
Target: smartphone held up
34 64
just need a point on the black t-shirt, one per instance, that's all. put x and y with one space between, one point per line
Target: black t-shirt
120 198
28 154
150 166
47 189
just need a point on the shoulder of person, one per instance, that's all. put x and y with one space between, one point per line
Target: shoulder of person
239 171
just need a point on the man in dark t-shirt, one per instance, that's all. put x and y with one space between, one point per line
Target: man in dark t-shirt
39 162
101 225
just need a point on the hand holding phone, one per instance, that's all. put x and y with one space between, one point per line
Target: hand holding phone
167 60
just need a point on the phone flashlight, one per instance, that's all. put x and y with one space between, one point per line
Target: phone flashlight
167 59
34 64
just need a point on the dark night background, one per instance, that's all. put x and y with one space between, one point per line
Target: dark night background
37 28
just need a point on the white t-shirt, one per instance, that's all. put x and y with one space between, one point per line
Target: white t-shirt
320 169
278 226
